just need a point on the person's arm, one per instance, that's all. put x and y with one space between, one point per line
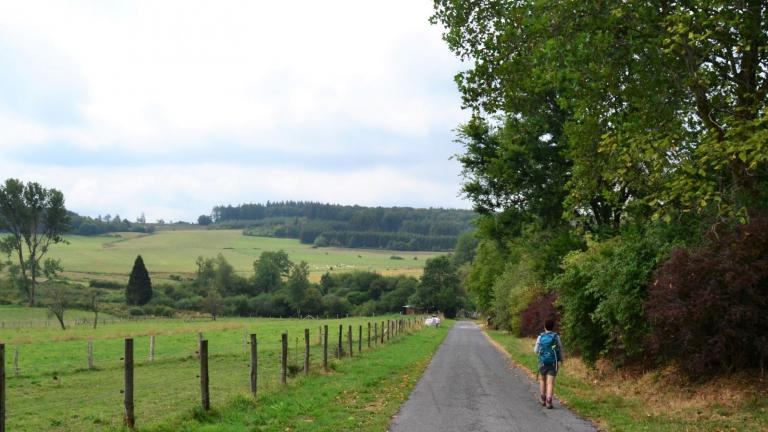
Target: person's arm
536 347
560 349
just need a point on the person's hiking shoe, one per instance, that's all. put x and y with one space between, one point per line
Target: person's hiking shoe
543 400
549 403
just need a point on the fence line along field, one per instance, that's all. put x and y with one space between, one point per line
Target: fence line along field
77 384
168 252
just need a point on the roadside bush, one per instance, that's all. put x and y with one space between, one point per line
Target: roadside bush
513 291
582 333
603 293
708 307
541 309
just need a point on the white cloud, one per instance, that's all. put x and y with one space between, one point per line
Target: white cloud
163 78
184 192
174 70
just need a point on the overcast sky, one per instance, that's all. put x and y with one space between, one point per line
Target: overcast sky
172 107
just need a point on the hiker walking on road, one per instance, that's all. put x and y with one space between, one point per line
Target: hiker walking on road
549 349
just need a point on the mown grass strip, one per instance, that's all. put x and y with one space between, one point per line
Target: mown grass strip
359 394
613 406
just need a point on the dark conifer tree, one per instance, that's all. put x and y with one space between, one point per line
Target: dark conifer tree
139 290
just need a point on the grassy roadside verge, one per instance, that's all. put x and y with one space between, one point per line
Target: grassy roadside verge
652 401
359 394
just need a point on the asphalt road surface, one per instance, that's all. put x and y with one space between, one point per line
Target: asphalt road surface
471 387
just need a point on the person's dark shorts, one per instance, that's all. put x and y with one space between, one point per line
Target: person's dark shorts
545 370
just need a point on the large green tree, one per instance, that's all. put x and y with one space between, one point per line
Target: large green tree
139 289
439 288
35 218
658 106
270 270
298 284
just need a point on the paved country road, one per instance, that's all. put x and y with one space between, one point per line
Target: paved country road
471 387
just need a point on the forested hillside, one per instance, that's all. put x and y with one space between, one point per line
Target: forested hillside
396 228
618 155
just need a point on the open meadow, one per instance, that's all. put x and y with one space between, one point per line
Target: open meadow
173 252
51 388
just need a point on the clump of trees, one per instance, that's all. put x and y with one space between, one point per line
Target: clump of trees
617 156
281 287
88 226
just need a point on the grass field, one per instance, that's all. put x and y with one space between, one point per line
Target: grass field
174 252
361 395
54 390
12 316
654 401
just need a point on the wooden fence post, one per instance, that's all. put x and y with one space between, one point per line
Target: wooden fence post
382 332
204 387
389 330
2 387
128 419
306 351
325 348
284 359
245 343
152 348
349 341
254 365
376 334
341 344
369 334
90 355
320 335
199 342
360 338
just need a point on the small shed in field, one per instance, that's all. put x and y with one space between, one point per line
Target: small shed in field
412 310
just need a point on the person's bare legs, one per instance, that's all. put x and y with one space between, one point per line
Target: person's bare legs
550 389
543 388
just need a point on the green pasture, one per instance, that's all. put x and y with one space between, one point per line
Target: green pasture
14 316
361 395
55 391
170 252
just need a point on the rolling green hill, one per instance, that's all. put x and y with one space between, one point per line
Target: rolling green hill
168 252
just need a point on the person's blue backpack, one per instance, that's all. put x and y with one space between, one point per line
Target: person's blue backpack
548 348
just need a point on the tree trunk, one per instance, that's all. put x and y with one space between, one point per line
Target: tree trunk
61 320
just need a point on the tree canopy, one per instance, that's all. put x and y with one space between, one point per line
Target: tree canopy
642 106
605 139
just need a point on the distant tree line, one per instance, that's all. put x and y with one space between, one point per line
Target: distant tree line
88 226
396 228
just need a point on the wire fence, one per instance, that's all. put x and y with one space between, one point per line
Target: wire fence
81 385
